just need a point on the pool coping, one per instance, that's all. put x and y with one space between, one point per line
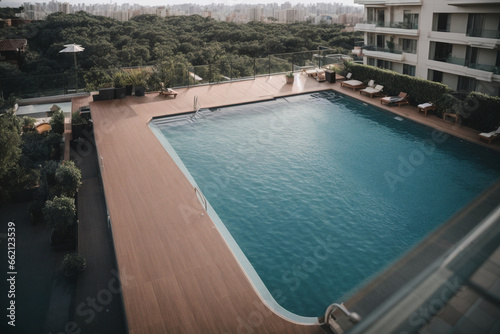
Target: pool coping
134 115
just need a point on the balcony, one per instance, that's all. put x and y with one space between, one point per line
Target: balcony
488 68
459 66
470 2
466 39
389 2
484 33
394 27
395 54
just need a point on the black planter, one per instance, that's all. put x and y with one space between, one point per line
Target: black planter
128 90
77 130
96 97
140 91
120 92
106 94
330 76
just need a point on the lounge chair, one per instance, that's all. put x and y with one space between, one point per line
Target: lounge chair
321 76
490 136
354 84
371 91
167 92
314 72
401 99
425 107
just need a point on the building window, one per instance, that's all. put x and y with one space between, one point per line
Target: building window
381 41
370 15
409 45
437 76
410 21
466 84
381 17
443 23
370 61
384 64
409 70
475 25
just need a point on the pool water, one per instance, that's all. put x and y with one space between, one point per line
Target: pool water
321 191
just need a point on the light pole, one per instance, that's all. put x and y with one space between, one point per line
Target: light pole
73 48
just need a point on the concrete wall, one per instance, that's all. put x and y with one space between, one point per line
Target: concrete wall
458 23
451 80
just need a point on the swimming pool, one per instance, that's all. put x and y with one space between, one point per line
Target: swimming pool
320 191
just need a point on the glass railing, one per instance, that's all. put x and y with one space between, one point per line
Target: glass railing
484 33
393 24
230 69
396 50
455 60
487 68
28 86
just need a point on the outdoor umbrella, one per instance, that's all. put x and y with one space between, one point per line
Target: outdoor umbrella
73 48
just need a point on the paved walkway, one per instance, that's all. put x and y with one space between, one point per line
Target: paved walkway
98 301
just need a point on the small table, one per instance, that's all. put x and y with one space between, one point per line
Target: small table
426 107
455 116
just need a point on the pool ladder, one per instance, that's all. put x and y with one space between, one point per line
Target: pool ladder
201 197
339 324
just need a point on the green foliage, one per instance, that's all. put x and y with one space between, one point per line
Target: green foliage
49 171
96 78
10 142
481 111
60 212
72 264
37 148
77 119
57 122
10 12
20 178
419 90
28 123
68 178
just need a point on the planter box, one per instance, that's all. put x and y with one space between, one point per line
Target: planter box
140 91
120 93
106 94
77 130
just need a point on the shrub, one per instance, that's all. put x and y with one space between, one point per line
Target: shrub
72 264
419 90
68 178
49 170
28 123
60 212
482 112
77 119
57 122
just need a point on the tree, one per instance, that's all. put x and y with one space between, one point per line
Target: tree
68 178
57 121
60 212
10 142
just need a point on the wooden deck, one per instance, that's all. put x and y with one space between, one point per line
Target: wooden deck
179 274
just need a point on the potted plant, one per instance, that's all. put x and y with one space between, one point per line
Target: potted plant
139 79
28 124
119 81
78 124
72 264
289 77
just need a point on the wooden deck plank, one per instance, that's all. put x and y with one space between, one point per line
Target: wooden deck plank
185 277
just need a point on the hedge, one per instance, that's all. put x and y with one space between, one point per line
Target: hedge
419 90
479 111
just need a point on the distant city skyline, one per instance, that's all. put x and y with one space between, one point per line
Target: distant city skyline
17 3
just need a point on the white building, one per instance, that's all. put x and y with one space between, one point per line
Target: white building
456 42
255 14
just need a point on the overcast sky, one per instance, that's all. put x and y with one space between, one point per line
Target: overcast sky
17 3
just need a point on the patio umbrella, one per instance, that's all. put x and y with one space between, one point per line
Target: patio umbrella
73 48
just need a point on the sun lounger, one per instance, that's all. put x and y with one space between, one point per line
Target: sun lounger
167 92
371 92
401 99
425 107
354 84
490 136
314 72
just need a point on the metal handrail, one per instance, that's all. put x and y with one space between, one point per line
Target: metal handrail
201 197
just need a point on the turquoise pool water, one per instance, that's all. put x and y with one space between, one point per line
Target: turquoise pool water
321 192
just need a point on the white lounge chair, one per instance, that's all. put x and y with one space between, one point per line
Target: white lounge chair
371 91
490 136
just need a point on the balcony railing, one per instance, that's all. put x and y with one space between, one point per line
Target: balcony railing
487 68
396 50
463 62
393 24
484 33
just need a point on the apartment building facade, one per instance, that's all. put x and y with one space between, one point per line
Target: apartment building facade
455 42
